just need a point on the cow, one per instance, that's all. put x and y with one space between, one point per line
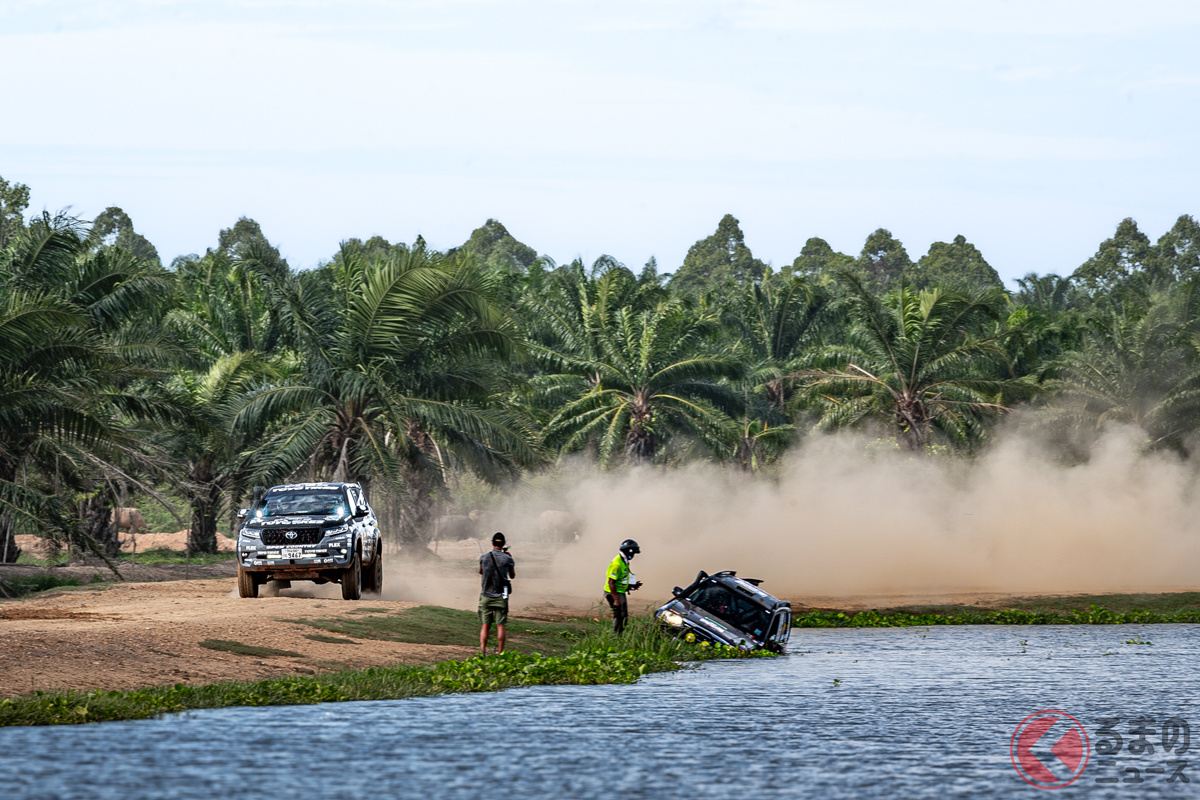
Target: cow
128 519
453 528
559 526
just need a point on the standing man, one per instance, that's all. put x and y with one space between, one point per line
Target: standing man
497 568
619 582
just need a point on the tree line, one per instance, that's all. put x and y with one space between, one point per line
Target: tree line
400 366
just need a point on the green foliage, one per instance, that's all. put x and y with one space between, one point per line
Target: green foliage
1177 252
598 658
1121 260
918 363
241 649
1094 615
320 637
14 199
73 345
642 379
720 260
818 260
115 229
957 264
21 585
1139 365
495 248
426 375
883 261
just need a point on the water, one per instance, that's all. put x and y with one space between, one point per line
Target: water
905 712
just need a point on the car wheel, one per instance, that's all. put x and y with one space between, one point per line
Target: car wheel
247 586
352 579
376 579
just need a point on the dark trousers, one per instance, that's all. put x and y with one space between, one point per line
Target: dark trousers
620 608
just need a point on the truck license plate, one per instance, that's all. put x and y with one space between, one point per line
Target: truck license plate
292 552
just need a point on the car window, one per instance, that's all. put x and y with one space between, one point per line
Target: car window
359 502
303 502
732 607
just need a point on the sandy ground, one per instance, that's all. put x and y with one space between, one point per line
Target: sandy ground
147 630
131 635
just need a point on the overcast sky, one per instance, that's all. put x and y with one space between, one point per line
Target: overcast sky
621 128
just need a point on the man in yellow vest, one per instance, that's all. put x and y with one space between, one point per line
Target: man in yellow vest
619 581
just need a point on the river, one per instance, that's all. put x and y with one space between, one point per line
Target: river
895 712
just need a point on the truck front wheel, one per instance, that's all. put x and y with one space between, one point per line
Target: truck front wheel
247 586
352 579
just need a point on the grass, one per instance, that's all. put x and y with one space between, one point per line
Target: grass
21 585
320 637
1074 610
62 557
437 625
595 657
240 649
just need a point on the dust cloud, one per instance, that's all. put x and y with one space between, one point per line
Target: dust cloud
843 521
844 518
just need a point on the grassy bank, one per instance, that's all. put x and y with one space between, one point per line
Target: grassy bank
1074 610
594 656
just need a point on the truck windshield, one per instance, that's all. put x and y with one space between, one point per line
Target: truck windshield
298 503
742 612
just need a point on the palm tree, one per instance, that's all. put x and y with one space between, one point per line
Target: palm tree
398 381
920 362
653 375
778 324
68 417
1139 365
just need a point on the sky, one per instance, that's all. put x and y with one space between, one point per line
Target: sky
1031 127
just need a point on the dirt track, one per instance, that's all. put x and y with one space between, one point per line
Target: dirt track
131 635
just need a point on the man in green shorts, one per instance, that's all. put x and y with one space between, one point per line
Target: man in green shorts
497 568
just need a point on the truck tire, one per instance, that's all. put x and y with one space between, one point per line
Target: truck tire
373 576
247 586
352 579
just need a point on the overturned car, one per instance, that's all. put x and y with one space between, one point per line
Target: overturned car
726 609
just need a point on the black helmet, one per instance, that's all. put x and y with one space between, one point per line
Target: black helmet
629 547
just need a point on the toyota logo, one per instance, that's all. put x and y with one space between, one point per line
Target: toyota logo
290 535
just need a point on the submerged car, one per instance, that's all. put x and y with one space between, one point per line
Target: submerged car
726 609
320 532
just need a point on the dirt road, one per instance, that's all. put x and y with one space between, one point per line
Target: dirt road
130 635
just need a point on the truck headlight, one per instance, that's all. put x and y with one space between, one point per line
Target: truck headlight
337 530
251 533
671 618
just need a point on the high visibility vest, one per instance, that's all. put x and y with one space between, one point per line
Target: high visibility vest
618 572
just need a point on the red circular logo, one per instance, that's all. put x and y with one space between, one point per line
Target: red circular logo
1050 749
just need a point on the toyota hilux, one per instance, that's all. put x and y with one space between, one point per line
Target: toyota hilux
726 609
320 532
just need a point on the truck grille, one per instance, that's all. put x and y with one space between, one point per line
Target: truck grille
303 536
